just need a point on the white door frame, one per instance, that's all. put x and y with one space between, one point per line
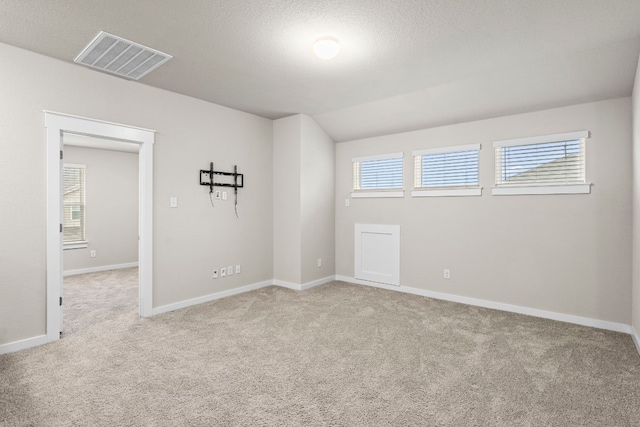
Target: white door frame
56 124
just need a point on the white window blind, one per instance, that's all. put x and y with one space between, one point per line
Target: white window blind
556 159
447 168
374 173
73 200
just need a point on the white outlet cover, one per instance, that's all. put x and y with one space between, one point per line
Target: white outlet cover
173 202
224 195
215 274
347 202
238 269
230 270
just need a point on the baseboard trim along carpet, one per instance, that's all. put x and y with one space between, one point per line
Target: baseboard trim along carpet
304 286
568 318
242 289
210 297
100 268
636 339
23 344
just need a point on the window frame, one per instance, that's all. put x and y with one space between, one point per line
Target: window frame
560 187
77 244
377 192
449 190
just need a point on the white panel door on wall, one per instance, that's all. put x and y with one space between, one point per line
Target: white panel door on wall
377 253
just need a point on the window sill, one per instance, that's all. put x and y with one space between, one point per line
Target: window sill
75 245
449 192
377 194
513 190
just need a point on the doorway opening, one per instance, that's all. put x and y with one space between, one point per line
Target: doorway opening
57 126
100 231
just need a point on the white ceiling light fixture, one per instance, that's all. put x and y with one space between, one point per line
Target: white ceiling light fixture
326 47
120 56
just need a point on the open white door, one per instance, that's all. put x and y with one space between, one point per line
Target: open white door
61 197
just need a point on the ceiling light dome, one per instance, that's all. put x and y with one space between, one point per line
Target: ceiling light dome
326 47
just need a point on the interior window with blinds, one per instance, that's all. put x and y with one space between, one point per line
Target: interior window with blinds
546 161
449 171
73 199
378 176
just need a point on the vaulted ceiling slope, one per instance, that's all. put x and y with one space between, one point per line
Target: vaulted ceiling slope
404 65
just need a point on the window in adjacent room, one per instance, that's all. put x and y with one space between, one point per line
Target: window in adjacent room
450 171
551 164
378 176
73 202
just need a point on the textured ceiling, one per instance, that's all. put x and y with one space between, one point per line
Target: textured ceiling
404 64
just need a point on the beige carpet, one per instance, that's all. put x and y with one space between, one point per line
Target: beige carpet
335 355
98 297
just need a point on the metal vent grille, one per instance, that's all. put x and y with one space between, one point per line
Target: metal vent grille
122 57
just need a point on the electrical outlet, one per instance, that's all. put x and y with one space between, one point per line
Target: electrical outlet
223 272
447 273
224 195
347 202
215 274
93 254
238 269
173 202
230 270
319 262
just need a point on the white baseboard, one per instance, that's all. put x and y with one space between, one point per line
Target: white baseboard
568 318
240 290
100 268
304 286
636 339
23 344
210 297
318 282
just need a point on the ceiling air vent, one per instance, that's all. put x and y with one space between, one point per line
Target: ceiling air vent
125 58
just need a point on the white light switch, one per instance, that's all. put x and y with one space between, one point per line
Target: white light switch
173 202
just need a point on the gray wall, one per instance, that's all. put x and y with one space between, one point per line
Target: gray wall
563 253
303 194
286 199
189 242
635 301
317 208
111 213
